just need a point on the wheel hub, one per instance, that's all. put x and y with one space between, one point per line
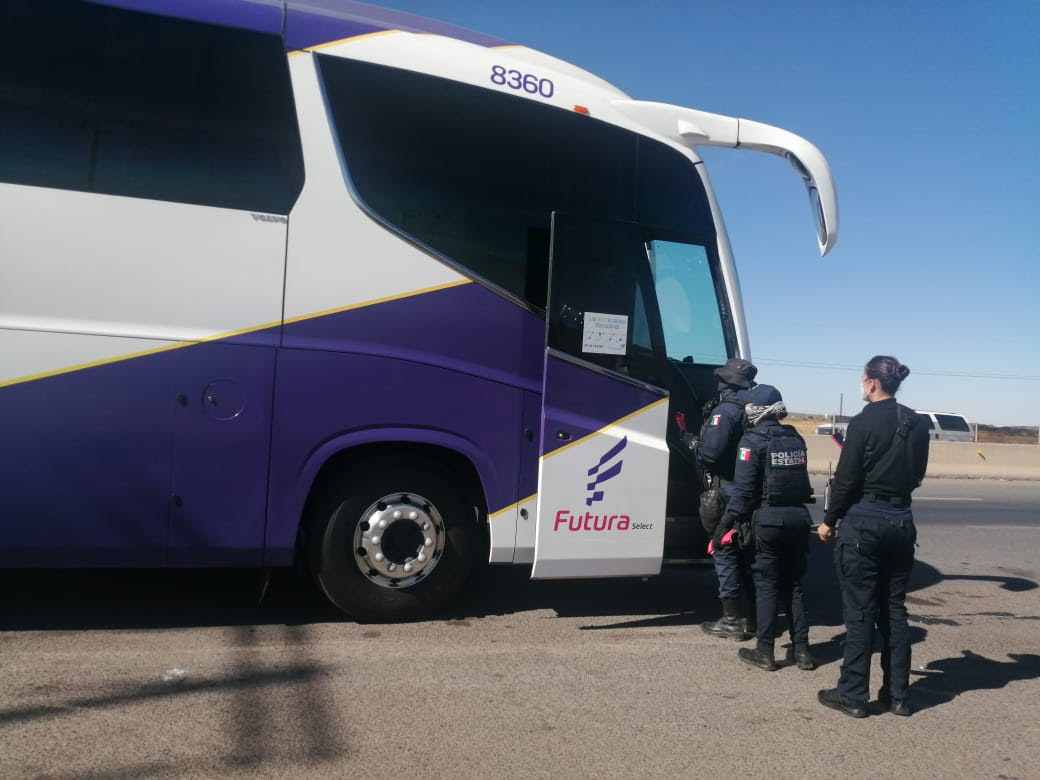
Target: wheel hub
399 540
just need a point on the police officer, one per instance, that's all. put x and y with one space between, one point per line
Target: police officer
717 451
770 488
882 462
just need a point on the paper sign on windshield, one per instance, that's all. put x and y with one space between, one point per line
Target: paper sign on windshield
605 334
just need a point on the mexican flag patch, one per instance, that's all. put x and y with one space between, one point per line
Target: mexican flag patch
744 454
715 419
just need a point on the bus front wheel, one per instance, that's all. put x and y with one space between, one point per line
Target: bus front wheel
391 543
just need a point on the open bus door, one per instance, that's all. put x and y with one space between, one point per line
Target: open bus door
603 462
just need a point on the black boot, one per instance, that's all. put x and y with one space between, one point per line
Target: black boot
895 706
730 625
747 606
760 658
799 654
831 698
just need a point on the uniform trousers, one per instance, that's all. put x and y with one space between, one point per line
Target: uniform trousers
873 558
781 558
731 566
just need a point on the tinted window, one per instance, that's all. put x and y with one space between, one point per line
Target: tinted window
476 174
952 422
687 296
106 100
605 314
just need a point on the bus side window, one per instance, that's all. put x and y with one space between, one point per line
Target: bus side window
126 103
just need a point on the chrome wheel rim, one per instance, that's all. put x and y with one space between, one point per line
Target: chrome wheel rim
399 540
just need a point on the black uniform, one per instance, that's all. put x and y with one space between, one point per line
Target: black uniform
717 452
882 461
771 485
717 448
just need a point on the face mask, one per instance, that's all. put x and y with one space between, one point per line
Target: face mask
863 391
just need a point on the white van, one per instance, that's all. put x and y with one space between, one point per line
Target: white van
943 426
832 429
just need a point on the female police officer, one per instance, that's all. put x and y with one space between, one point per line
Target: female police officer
770 488
882 461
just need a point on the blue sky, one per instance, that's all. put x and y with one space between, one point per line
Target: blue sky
929 114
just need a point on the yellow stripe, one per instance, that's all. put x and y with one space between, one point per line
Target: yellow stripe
319 46
533 496
132 355
219 336
398 297
81 366
604 428
512 507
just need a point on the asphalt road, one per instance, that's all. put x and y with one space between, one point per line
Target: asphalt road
182 674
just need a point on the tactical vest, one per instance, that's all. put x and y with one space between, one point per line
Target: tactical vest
786 480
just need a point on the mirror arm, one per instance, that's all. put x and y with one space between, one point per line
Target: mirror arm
699 128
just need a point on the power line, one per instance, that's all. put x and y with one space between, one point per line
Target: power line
919 372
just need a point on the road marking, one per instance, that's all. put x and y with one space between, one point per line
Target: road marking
1004 527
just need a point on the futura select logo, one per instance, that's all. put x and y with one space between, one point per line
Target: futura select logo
602 471
609 466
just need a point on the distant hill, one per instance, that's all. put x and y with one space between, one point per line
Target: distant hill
988 434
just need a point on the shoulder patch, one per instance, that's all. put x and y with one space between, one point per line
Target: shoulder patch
744 454
715 419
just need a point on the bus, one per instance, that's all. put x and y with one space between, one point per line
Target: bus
325 285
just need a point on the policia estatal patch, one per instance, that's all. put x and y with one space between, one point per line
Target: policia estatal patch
787 458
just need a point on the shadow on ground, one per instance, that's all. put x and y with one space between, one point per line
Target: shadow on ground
73 599
945 679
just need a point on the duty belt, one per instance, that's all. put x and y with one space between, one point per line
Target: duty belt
877 498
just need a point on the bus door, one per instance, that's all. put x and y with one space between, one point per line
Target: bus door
603 460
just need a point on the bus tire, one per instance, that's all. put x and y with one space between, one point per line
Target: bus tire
391 541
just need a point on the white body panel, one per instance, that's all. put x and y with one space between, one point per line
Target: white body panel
29 354
623 533
526 530
467 62
108 266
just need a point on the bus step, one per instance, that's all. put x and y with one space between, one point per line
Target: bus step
686 562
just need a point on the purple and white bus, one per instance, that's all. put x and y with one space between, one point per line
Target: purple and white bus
323 284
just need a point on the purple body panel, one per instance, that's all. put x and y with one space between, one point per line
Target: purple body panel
580 401
311 22
303 23
448 368
167 458
156 460
328 401
85 465
466 328
221 442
